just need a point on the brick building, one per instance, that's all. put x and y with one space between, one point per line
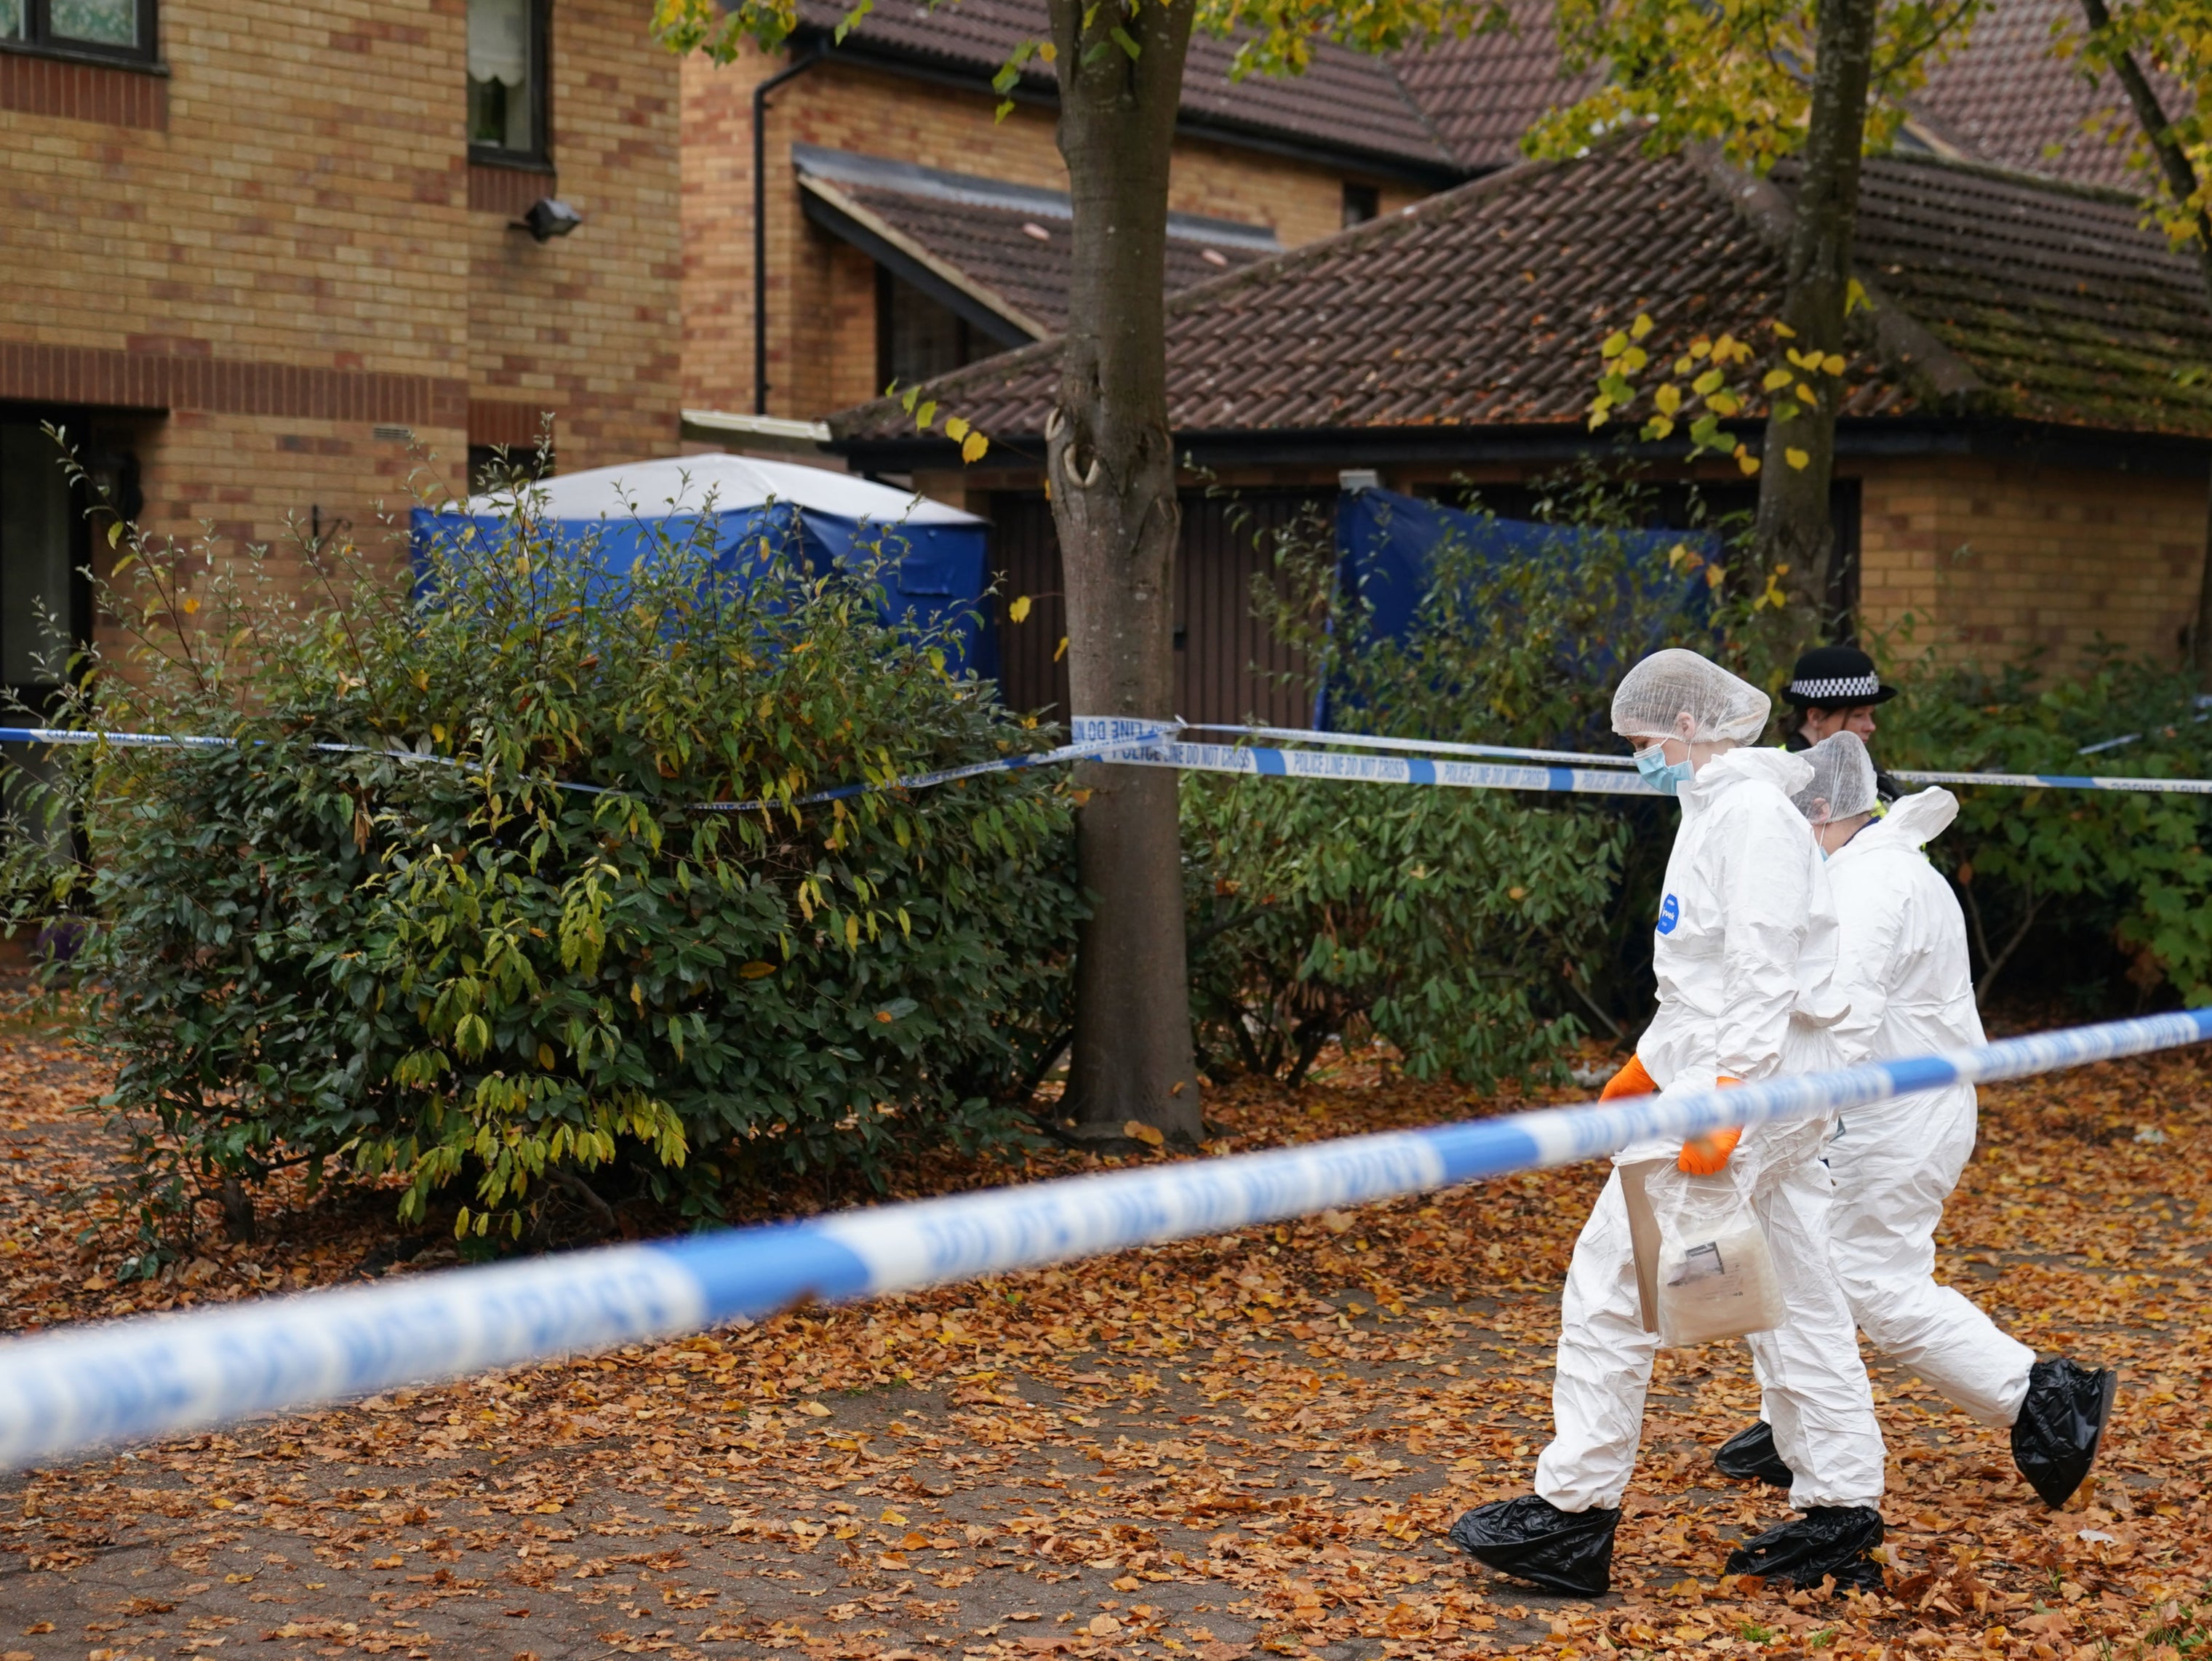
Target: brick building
907 229
261 261
2020 464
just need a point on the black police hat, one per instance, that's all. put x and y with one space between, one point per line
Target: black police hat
1836 678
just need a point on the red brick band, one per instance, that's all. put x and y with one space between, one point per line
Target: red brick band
78 91
165 380
494 421
507 191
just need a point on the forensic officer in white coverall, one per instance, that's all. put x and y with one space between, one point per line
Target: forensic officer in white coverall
1743 950
1904 968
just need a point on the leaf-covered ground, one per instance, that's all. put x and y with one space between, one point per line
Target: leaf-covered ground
1243 1445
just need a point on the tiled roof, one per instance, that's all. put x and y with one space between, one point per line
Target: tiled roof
1484 306
2004 99
1482 93
1347 102
2063 306
1008 243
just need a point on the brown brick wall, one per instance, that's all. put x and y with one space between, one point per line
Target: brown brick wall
1995 559
814 292
279 251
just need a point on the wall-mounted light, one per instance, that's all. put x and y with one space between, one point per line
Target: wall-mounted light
549 216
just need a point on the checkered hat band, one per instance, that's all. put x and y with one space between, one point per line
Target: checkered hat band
1839 687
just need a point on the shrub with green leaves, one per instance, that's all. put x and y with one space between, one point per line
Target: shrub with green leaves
468 898
2032 866
1478 931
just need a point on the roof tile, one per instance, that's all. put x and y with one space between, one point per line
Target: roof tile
1483 306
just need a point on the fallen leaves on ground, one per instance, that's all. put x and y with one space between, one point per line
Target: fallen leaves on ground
1225 1448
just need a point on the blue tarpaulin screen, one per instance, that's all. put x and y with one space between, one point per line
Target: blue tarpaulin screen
929 572
1386 546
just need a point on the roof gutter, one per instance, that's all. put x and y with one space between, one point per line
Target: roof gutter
815 54
2159 455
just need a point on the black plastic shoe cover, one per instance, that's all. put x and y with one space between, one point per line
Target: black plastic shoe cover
2054 1440
1749 1456
1531 1539
1826 1539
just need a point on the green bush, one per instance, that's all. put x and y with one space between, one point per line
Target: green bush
1478 931
2033 867
495 940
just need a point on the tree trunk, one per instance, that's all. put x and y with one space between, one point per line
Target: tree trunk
1111 462
1794 527
2179 174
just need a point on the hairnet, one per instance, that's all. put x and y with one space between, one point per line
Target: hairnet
1667 685
1843 780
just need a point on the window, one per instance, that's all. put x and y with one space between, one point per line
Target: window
917 339
1361 203
103 29
507 79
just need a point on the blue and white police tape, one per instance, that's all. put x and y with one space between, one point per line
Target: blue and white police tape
1207 758
1262 760
1416 746
2061 782
65 1393
1114 734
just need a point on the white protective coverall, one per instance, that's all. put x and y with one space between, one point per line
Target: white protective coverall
1905 970
1745 947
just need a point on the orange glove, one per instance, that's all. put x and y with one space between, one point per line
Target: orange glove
1708 1155
1631 1081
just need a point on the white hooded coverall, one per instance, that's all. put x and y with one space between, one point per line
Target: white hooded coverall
1904 967
1745 940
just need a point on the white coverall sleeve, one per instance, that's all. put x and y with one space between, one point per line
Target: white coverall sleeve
1767 882
1874 918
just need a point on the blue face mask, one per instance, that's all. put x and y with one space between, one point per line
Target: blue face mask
1661 775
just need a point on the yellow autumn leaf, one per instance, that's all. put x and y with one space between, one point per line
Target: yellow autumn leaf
1775 378
1060 651
853 930
1833 364
1634 359
1615 345
815 1408
1724 402
1642 327
1137 1131
1796 457
1707 384
755 970
1684 365
1807 394
1668 397
955 428
1855 296
1784 330
1715 574
1017 611
973 448
190 605
1748 463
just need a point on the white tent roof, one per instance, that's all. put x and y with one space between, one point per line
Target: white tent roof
652 489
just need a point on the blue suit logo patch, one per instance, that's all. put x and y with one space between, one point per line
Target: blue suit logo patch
1670 913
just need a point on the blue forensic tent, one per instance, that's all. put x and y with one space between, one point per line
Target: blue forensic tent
1387 544
935 562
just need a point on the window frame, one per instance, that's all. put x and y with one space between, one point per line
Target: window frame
39 39
539 156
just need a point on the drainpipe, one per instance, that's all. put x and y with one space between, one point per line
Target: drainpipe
814 56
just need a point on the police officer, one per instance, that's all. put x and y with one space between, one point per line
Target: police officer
1834 689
